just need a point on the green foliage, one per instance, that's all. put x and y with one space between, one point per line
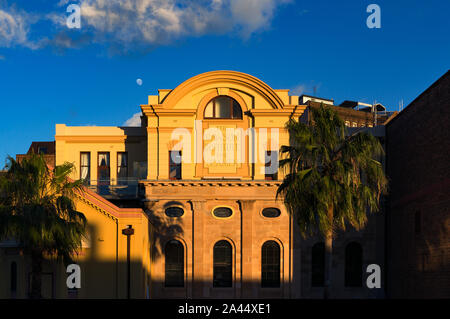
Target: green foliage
331 178
37 208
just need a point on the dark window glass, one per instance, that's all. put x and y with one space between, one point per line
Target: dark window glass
222 212
174 255
223 107
237 112
271 166
417 222
223 272
318 265
103 173
270 265
353 265
271 212
174 164
174 212
122 167
103 168
85 166
13 279
42 150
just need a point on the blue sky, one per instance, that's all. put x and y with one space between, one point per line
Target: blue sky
50 74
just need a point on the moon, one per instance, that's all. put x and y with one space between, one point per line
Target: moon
139 82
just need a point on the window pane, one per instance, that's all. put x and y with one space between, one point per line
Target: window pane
174 258
85 166
103 170
175 164
353 265
318 265
271 212
271 165
222 212
223 107
237 112
270 265
174 212
209 110
103 159
122 167
122 159
85 159
175 172
222 255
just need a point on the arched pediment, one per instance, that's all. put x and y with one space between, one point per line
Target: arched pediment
252 83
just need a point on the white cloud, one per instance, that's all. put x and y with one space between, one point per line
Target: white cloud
298 90
131 25
135 120
13 29
154 22
305 88
253 15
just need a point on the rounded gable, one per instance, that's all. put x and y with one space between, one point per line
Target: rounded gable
222 78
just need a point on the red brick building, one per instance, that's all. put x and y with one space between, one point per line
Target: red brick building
418 224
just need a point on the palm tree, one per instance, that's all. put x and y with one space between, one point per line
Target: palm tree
37 210
333 179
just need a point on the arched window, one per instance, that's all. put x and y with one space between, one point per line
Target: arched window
13 279
223 271
223 107
318 265
270 265
174 254
353 265
222 212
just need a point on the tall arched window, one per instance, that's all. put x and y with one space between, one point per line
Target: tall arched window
223 107
13 279
174 254
318 265
270 265
223 270
353 265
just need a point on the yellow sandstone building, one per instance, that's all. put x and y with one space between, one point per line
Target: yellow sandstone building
197 185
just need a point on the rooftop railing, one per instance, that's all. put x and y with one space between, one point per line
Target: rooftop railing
127 188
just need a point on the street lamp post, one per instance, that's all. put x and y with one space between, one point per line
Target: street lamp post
129 231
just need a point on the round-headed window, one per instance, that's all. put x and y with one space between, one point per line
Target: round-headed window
271 212
174 212
222 212
223 107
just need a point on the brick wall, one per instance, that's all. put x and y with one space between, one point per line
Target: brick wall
418 165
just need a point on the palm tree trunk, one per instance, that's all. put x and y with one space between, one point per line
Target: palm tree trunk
36 274
328 257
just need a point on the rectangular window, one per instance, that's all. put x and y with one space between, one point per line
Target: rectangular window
174 164
85 166
122 167
103 171
271 166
